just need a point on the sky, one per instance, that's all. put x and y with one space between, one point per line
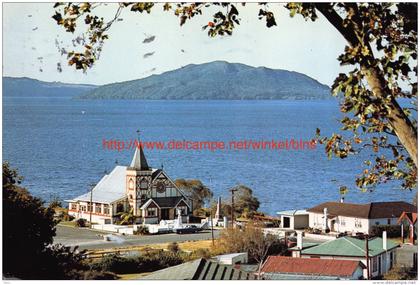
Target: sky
29 48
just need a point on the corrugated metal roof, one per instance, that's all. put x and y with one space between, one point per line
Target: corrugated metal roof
293 213
109 189
200 269
349 246
310 266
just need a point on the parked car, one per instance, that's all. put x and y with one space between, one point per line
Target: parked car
190 229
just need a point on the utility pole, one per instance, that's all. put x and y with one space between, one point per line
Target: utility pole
367 256
211 220
233 190
91 205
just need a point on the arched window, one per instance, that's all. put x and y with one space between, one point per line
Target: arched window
131 184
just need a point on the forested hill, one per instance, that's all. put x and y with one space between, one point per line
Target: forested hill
216 80
28 87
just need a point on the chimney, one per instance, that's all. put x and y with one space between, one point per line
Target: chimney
325 222
384 240
342 200
299 240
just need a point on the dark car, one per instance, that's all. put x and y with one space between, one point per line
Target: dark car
188 230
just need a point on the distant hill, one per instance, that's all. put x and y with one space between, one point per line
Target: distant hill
27 87
216 80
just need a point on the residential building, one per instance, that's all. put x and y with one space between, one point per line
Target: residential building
408 219
382 252
291 268
294 219
356 218
148 192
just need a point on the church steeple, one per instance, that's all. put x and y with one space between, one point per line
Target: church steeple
139 161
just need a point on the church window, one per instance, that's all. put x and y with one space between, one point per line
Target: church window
98 208
131 184
106 209
152 212
89 207
120 208
83 208
143 185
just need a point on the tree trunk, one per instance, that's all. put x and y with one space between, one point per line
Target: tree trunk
400 123
402 126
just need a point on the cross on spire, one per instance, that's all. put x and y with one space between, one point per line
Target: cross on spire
139 161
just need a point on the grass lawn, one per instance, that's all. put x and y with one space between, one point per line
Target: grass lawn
184 246
68 223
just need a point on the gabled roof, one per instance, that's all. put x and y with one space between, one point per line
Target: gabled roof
349 246
139 161
375 210
109 189
411 217
200 269
310 266
293 213
164 202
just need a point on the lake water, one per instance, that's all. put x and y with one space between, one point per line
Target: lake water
56 143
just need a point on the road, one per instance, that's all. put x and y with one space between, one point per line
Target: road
92 239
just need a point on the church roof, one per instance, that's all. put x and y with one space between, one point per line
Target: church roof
109 189
139 161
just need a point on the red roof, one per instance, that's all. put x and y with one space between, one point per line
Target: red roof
312 266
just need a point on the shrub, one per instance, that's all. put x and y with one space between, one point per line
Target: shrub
99 275
201 253
393 231
144 263
141 230
173 247
400 273
81 223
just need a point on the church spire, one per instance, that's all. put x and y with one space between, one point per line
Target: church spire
139 161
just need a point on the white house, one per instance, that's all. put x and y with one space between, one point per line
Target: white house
353 218
148 192
294 219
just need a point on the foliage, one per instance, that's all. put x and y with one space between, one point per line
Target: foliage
173 247
28 231
392 231
141 230
381 48
201 253
196 190
138 264
64 216
28 227
250 239
81 223
126 218
400 273
245 203
55 202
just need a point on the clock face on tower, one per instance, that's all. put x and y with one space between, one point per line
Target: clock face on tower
160 187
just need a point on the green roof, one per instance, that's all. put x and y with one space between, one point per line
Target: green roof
305 245
349 246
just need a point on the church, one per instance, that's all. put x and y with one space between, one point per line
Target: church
148 192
